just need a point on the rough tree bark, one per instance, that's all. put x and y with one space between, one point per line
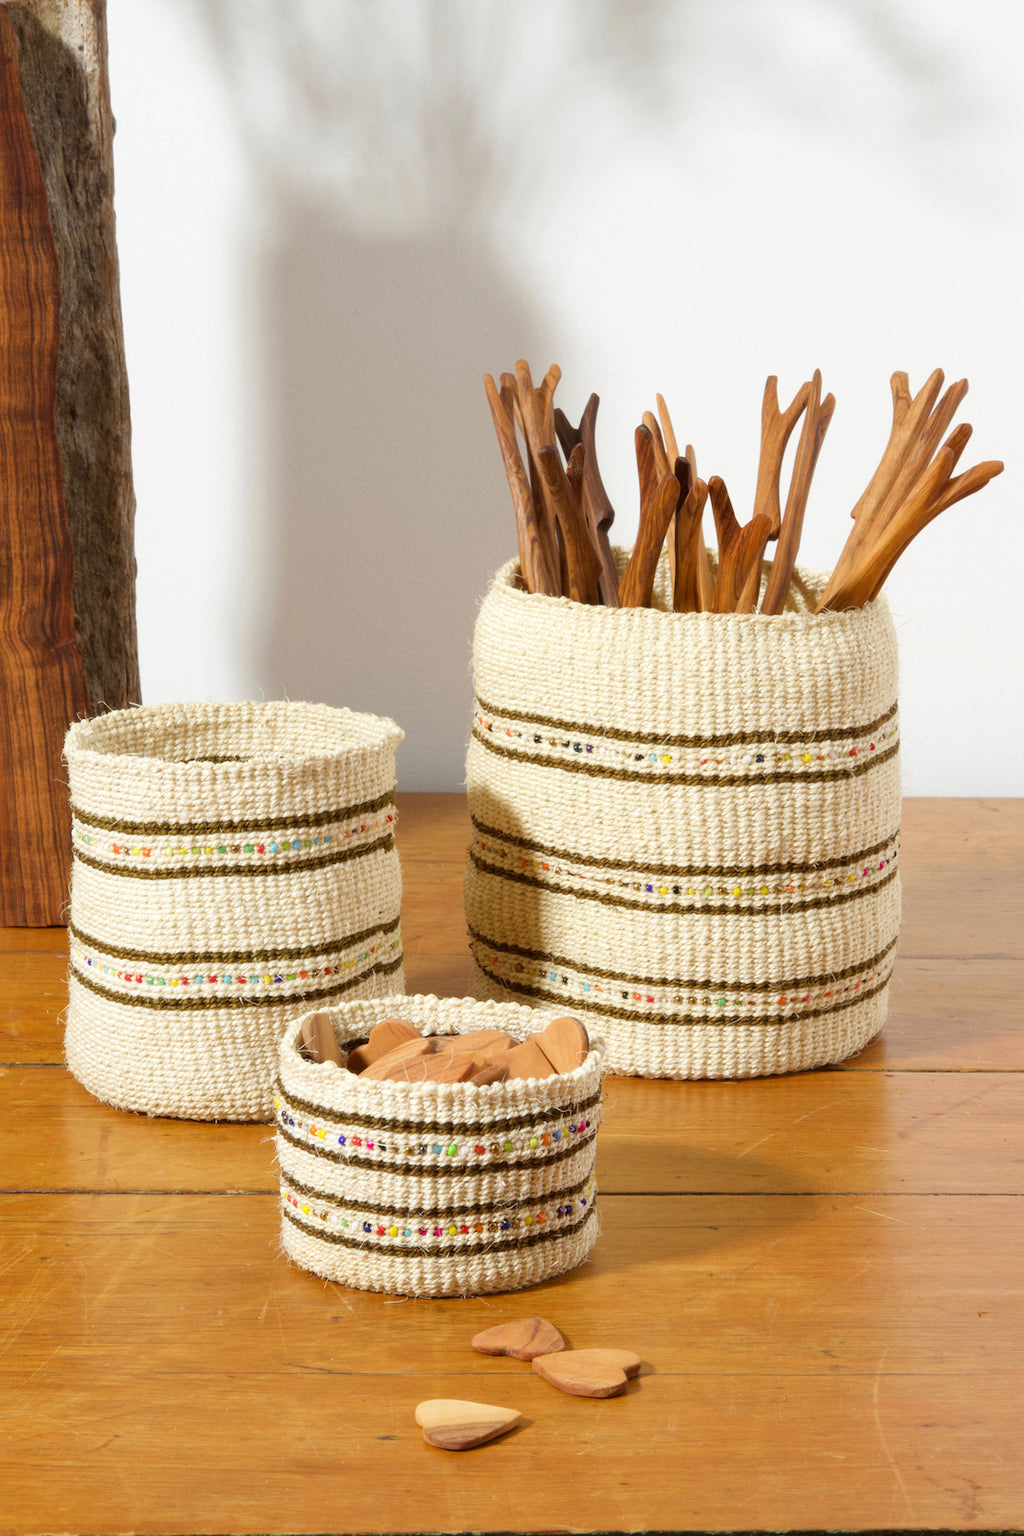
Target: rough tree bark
62 61
67 568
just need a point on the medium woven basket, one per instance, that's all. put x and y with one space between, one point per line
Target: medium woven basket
428 1189
685 825
234 866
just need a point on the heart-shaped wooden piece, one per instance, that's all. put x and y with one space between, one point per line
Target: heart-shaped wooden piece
523 1339
589 1372
565 1043
455 1425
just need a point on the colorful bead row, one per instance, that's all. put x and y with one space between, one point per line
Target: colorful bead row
269 845
508 971
447 1227
771 756
270 978
316 1131
566 871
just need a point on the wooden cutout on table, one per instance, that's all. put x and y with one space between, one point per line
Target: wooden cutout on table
523 1339
455 1425
589 1372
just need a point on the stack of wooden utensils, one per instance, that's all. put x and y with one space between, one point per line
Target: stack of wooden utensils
397 1052
563 513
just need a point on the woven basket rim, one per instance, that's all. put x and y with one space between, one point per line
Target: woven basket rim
423 1095
89 740
507 581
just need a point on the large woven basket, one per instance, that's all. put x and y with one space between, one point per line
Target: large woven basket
234 866
427 1189
685 825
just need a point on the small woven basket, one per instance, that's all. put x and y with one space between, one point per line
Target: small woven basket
428 1189
234 866
685 825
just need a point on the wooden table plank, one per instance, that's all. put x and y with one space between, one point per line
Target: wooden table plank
172 1373
822 1273
819 1131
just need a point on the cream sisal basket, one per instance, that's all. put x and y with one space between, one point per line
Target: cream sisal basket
429 1189
234 866
685 826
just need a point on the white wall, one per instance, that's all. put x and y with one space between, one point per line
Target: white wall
334 216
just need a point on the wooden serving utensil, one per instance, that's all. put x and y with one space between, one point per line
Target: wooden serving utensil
599 512
659 498
812 435
910 416
740 551
687 535
533 557
907 491
582 567
691 555
776 429
933 492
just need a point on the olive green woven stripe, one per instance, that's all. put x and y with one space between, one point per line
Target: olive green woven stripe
669 1020
424 1127
450 1250
772 903
438 1170
193 1004
270 824
214 871
659 776
686 872
410 1212
684 984
188 957
731 739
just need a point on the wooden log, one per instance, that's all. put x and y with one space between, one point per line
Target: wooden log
62 63
68 643
40 668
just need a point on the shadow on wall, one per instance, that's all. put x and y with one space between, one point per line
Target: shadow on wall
389 504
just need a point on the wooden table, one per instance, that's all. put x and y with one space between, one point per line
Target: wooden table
823 1274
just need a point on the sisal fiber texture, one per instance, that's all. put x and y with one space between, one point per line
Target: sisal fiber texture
435 1189
234 866
685 825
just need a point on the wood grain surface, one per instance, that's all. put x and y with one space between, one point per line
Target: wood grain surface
821 1273
41 677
